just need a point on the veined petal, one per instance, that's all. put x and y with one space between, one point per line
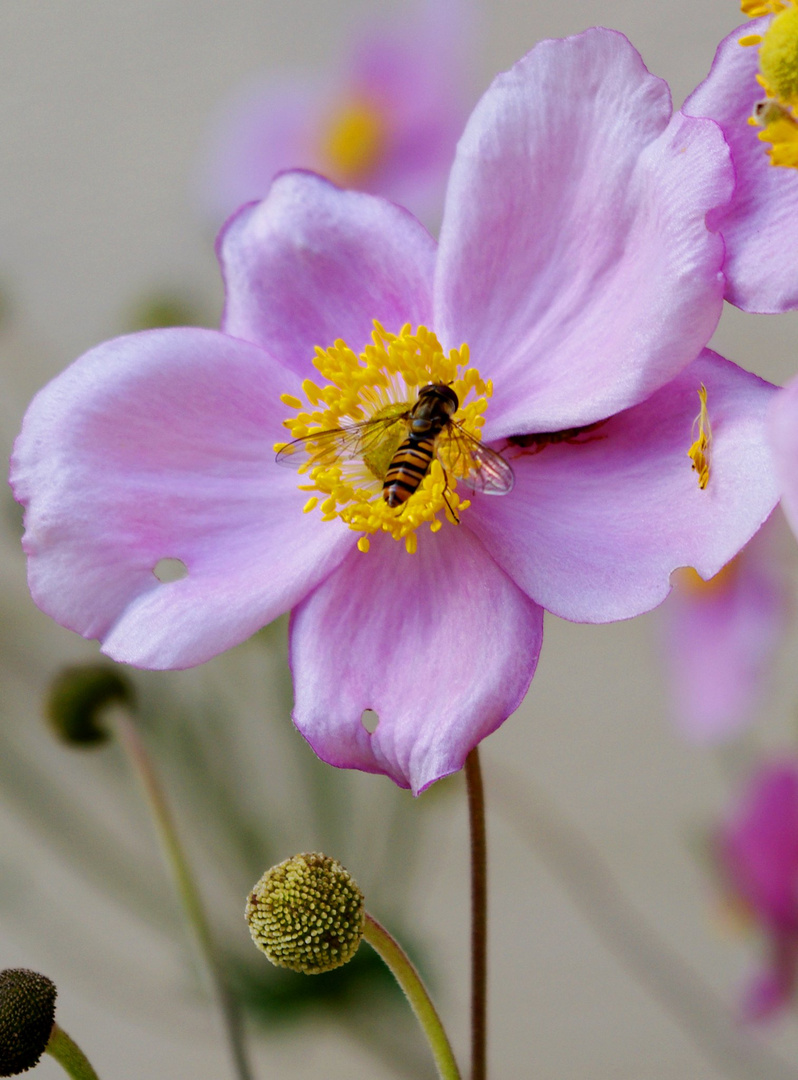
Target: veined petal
594 527
312 264
160 445
784 435
574 254
760 226
440 644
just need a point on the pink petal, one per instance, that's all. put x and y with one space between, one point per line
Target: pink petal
594 528
574 255
784 438
312 264
440 644
719 640
160 445
760 227
759 846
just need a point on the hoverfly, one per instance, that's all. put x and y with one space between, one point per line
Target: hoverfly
417 430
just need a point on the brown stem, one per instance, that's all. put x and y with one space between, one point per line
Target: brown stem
479 916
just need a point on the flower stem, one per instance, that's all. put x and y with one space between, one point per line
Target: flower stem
69 1055
479 916
416 993
186 886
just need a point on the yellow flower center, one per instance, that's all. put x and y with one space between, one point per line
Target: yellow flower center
778 75
350 429
699 451
354 141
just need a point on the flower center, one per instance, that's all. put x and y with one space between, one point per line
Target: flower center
354 141
778 75
702 436
356 427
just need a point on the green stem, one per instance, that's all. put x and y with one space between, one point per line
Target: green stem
479 916
186 887
416 993
69 1055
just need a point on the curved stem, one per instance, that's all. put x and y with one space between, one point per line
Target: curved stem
479 916
186 886
69 1055
416 993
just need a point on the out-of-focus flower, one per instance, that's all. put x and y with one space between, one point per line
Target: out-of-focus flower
576 264
752 92
758 853
386 120
719 639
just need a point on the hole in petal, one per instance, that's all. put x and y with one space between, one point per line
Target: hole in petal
369 720
170 570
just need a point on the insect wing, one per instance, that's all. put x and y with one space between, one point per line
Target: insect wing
335 444
481 469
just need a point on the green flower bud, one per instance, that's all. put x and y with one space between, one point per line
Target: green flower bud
78 694
27 1015
307 914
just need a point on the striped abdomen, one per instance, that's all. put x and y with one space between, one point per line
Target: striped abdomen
408 468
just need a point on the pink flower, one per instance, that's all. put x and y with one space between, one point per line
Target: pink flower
758 849
760 224
386 121
719 639
575 263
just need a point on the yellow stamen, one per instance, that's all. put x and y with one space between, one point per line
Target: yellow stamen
354 141
777 114
699 451
363 544
382 384
756 8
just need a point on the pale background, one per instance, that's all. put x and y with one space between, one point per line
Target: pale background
103 110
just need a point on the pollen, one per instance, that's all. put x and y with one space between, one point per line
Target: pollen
702 441
355 420
354 141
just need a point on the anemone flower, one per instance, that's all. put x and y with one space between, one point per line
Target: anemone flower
386 120
567 307
719 639
758 853
752 92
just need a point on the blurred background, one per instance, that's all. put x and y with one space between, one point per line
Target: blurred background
607 939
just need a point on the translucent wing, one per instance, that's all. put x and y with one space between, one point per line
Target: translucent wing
479 467
336 444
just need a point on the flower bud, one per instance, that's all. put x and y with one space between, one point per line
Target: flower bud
27 1015
307 914
78 694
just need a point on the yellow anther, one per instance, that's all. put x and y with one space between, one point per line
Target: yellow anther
750 39
756 8
311 504
361 421
291 401
699 451
363 544
411 543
